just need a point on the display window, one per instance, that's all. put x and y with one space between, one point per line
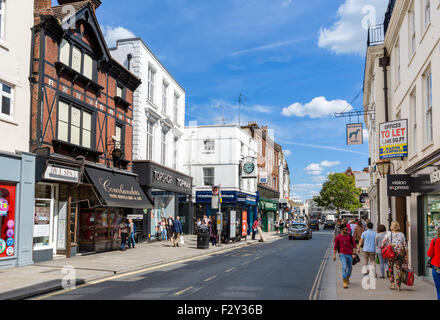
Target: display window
7 220
43 216
432 221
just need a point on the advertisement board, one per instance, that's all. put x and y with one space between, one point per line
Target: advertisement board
355 134
244 226
393 139
362 180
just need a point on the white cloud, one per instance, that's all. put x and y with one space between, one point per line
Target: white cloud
315 169
317 108
112 34
269 46
286 3
287 152
349 33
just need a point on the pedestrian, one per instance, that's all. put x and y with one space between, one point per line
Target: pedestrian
132 230
398 241
164 229
368 246
170 228
123 230
281 227
198 224
254 229
346 247
205 220
260 231
434 254
337 230
380 235
277 226
353 225
213 232
357 234
177 228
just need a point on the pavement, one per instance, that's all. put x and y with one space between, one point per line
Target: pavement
331 285
45 277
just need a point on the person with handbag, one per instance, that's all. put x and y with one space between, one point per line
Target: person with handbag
394 249
346 246
434 261
380 235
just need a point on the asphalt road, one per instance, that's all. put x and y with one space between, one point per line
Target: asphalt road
281 270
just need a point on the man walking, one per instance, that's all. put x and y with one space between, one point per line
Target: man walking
345 245
368 246
177 228
260 231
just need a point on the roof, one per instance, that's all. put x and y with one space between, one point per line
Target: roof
60 12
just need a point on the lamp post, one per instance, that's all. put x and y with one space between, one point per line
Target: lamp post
383 166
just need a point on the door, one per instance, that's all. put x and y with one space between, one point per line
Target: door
401 217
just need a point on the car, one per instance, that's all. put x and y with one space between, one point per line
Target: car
301 231
314 224
329 224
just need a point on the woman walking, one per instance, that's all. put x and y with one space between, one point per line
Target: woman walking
164 229
357 234
398 241
380 236
213 232
434 254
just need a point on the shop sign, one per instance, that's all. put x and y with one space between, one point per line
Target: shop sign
399 185
61 174
135 216
362 180
244 225
435 176
355 134
393 137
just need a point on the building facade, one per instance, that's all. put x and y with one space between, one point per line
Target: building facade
225 156
400 80
17 166
81 132
158 124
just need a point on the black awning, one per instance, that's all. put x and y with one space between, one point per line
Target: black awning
118 190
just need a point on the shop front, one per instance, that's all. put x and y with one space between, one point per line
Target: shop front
17 185
268 210
171 192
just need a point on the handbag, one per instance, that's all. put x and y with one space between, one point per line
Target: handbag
429 265
388 250
356 259
182 240
407 277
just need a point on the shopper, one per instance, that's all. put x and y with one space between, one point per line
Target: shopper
353 225
277 226
177 228
123 230
368 246
380 236
357 234
281 227
254 229
260 231
170 228
434 254
337 230
132 230
213 232
164 229
398 241
346 247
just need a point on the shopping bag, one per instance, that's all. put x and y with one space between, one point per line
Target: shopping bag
377 259
182 240
407 277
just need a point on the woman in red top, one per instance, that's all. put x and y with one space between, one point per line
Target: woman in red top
434 254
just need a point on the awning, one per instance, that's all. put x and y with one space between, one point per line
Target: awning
118 190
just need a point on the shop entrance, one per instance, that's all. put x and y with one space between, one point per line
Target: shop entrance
401 216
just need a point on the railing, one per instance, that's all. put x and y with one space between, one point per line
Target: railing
376 35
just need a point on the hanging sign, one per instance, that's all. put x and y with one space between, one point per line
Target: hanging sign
399 185
393 138
362 180
355 134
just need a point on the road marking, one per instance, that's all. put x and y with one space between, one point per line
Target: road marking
209 279
245 263
182 291
315 289
229 270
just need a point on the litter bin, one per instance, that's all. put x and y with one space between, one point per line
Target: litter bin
203 238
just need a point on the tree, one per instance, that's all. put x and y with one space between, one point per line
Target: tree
339 192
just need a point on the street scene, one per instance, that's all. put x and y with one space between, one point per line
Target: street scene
246 151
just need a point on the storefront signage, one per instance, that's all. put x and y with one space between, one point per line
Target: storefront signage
393 137
355 134
61 174
135 216
435 176
362 180
399 185
162 177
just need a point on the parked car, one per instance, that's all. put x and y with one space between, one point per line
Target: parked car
329 224
301 231
314 224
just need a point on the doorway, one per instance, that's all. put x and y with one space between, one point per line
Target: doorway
401 215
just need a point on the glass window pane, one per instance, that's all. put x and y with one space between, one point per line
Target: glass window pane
86 139
6 88
63 131
63 111
65 52
87 121
118 134
74 135
88 66
119 91
6 105
76 59
76 117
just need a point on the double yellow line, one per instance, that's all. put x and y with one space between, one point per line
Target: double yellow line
315 289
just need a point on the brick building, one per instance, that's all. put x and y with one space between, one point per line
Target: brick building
81 131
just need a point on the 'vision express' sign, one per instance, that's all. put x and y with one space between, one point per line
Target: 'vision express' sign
399 185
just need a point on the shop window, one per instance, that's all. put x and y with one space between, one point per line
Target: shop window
432 221
7 220
44 203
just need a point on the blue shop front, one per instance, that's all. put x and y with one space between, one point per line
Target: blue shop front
241 206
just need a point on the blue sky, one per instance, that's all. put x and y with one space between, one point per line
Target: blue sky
296 61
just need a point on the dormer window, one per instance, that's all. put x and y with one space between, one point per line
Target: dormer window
77 59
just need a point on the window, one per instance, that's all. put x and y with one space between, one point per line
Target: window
118 135
428 106
412 31
6 101
208 176
150 127
176 106
163 147
413 106
164 97
119 91
397 55
2 20
76 59
74 125
151 74
175 154
209 145
427 12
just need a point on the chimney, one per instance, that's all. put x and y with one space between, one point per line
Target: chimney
95 3
42 7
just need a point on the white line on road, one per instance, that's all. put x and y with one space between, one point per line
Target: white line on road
209 279
315 289
182 291
229 270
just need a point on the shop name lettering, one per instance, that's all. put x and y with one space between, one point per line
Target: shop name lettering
120 192
393 133
399 185
435 176
166 178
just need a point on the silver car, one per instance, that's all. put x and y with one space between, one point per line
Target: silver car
300 230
